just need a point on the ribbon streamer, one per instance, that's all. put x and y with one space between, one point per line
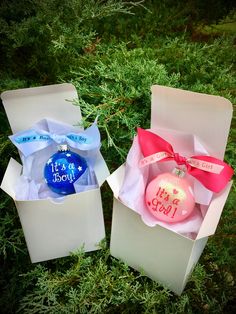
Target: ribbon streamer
213 173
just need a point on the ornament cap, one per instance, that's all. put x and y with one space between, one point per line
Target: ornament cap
179 172
63 148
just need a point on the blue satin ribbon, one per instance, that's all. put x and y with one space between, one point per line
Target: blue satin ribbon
31 137
34 136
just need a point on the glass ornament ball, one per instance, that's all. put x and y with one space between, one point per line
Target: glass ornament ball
169 197
62 169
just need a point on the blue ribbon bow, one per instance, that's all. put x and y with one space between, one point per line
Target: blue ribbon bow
32 140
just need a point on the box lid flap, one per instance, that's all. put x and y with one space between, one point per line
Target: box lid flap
101 169
13 171
212 217
116 179
24 107
205 116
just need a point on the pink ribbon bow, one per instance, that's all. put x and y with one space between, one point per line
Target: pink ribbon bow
213 173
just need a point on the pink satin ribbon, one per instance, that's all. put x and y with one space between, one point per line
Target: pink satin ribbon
213 173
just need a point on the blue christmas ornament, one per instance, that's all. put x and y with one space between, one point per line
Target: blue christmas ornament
62 169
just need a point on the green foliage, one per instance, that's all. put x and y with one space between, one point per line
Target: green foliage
45 38
115 85
113 57
121 95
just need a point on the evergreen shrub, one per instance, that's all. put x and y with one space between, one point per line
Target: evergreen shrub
113 51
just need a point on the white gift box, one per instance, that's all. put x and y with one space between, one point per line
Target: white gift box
53 228
163 255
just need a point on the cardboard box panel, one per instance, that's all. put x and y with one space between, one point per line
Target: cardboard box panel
55 229
205 116
214 212
13 171
197 250
162 255
24 107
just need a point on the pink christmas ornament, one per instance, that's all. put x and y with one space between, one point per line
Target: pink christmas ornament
169 197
